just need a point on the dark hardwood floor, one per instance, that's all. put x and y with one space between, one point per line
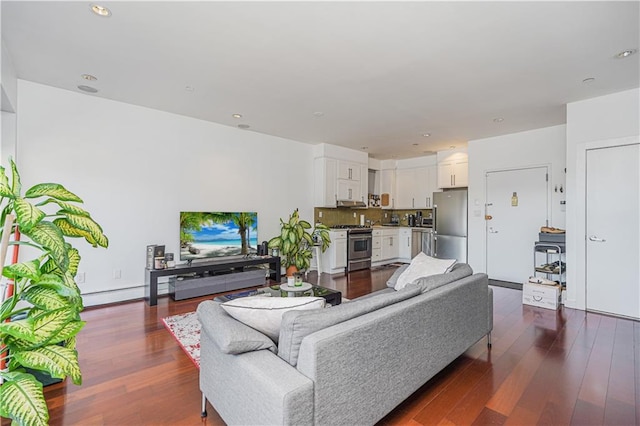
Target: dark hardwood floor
545 367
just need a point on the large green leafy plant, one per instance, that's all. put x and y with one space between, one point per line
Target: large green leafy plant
40 321
296 240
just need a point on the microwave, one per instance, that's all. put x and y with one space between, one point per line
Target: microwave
427 221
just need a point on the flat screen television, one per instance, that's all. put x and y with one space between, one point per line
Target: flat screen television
217 234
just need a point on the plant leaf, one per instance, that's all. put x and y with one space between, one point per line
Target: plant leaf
30 270
16 186
68 207
70 331
59 284
44 298
21 399
54 190
47 324
5 190
89 225
56 360
21 329
49 236
27 215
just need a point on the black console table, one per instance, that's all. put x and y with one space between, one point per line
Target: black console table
151 275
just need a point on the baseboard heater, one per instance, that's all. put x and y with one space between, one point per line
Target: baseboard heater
186 288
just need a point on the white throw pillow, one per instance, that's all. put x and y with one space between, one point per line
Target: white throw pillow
423 266
265 313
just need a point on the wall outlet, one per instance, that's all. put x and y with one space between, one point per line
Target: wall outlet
117 274
80 278
319 214
354 214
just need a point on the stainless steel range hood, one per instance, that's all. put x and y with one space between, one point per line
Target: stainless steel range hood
350 203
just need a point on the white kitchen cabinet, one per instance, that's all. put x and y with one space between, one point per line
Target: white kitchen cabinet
339 180
325 182
387 188
349 190
415 187
404 244
376 246
390 244
350 170
453 168
334 259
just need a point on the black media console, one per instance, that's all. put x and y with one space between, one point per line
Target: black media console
209 277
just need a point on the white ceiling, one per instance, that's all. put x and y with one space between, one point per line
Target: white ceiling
357 74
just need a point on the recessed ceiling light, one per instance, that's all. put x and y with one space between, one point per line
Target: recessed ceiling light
243 126
88 89
588 80
498 120
415 144
452 147
237 115
318 113
89 77
100 10
364 148
626 53
189 88
426 135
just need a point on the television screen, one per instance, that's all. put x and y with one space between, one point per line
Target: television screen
216 234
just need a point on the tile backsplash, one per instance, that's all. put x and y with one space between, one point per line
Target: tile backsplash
375 216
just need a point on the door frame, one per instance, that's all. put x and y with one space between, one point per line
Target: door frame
577 275
548 168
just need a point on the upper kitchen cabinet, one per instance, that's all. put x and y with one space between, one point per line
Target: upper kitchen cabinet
388 184
416 182
453 168
341 176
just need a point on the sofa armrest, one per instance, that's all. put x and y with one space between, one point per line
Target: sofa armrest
255 387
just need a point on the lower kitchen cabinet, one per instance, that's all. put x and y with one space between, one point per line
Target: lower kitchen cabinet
404 244
334 259
390 244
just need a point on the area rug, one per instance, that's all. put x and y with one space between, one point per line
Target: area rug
185 328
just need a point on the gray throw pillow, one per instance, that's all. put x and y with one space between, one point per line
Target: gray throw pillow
229 334
394 278
457 272
296 325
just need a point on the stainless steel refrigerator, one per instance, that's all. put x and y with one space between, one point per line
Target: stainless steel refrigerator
450 225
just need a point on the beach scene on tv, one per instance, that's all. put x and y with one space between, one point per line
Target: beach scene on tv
217 234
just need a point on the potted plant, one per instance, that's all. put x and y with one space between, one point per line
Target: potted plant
40 318
296 241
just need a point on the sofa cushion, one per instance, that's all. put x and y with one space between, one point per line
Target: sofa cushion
394 278
296 325
423 266
265 313
458 271
231 336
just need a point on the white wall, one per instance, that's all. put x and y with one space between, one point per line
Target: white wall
540 147
591 123
137 168
8 80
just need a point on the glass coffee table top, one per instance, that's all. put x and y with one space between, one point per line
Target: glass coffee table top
333 297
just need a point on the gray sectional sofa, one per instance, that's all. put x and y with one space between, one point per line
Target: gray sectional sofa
345 365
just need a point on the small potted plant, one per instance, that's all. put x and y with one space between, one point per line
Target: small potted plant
296 240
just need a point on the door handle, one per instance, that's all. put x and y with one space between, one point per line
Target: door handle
596 239
491 231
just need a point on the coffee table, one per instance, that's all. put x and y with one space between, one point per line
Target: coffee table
333 297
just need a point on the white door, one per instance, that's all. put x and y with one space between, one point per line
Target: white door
513 229
613 230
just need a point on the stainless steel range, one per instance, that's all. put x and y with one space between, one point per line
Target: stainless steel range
359 246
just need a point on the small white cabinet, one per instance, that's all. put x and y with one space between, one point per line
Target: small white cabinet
334 259
339 180
453 168
387 188
376 247
404 244
415 187
390 244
